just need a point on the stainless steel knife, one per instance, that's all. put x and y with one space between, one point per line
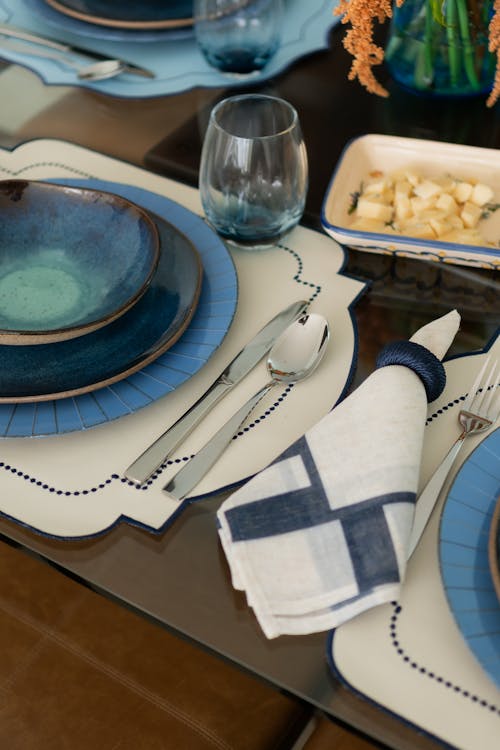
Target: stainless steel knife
27 36
193 472
147 463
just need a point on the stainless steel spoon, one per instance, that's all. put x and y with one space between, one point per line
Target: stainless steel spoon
101 70
294 356
35 44
95 71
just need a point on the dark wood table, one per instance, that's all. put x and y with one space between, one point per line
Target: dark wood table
180 579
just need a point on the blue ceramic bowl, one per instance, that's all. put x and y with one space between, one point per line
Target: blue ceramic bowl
71 260
129 13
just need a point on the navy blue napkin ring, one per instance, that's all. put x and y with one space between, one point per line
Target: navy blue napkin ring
424 363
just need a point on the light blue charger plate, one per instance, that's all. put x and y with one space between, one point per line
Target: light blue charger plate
177 63
204 334
463 552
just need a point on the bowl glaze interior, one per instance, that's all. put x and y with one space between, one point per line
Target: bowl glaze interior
71 260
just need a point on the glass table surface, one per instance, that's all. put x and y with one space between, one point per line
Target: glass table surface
179 578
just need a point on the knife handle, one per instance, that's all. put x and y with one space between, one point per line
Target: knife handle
158 452
196 468
9 31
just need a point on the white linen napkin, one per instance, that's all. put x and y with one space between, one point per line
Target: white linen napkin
321 534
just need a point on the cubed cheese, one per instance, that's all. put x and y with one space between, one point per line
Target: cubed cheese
481 194
407 203
427 189
402 188
421 204
455 221
371 225
447 203
440 226
402 207
446 183
376 185
412 177
422 230
372 209
470 214
463 191
431 213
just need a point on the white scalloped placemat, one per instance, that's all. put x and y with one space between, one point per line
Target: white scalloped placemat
409 657
71 486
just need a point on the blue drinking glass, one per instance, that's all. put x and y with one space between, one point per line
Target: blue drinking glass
238 36
253 170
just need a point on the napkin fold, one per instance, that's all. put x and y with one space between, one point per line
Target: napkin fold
322 534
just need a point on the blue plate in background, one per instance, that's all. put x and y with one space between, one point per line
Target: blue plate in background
128 13
78 26
463 552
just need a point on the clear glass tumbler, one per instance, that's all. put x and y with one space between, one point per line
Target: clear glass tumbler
253 171
238 36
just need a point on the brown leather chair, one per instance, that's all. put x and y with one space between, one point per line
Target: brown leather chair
330 736
79 672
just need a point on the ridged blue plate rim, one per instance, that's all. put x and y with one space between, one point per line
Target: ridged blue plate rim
463 553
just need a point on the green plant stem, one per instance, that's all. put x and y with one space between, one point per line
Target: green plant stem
424 62
453 42
469 57
429 61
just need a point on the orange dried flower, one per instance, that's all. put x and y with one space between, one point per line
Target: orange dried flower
494 46
359 42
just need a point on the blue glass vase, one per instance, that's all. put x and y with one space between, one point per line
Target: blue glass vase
440 47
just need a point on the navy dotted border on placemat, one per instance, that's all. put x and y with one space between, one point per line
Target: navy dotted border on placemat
414 665
60 165
445 407
116 477
396 643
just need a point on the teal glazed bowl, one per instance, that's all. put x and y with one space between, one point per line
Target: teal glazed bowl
71 260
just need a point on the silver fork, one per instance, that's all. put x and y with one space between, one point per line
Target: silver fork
479 412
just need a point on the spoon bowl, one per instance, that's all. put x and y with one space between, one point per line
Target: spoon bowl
100 71
294 356
299 349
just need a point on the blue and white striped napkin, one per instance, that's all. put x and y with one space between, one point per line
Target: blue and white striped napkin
322 534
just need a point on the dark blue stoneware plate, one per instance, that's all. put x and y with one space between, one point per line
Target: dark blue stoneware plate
111 353
463 552
110 368
128 13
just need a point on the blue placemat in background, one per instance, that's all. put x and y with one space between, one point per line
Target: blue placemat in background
173 57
